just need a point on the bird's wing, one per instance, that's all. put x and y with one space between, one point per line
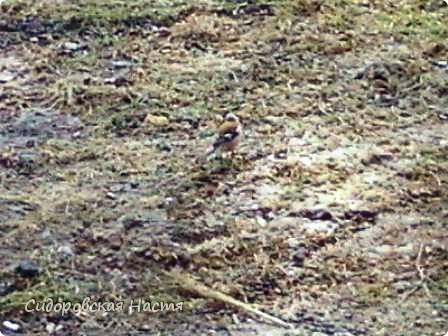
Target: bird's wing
225 138
227 132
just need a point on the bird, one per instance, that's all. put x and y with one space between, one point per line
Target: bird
228 135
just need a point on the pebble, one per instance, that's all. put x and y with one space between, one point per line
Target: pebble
120 64
156 120
11 326
72 46
318 226
66 251
441 63
6 76
28 268
52 328
5 288
27 158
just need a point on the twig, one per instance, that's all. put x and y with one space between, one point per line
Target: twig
408 294
420 270
191 285
422 282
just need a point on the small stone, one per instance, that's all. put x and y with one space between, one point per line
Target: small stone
134 184
66 251
441 63
146 327
443 116
27 158
120 64
50 327
318 226
170 203
5 288
28 268
164 147
117 81
6 76
155 120
283 222
76 135
111 196
11 326
72 46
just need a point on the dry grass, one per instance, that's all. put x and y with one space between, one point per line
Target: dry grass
332 216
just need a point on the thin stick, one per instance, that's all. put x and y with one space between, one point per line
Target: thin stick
420 270
191 285
422 276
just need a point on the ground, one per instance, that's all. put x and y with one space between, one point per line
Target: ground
332 216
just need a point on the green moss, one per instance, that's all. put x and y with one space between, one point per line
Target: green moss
414 22
103 13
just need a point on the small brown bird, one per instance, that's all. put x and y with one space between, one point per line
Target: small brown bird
229 135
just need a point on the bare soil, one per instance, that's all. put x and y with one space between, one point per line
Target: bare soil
332 216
